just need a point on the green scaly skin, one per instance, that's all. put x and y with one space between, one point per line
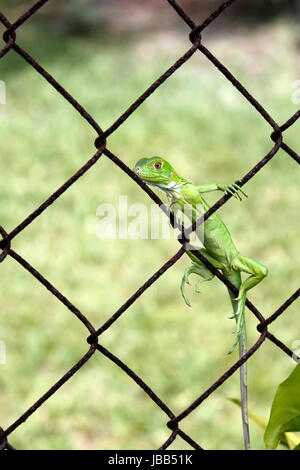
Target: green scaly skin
219 248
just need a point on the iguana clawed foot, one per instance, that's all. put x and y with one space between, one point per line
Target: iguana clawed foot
232 316
185 280
194 269
235 190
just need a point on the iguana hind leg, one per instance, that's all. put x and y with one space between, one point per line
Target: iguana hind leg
256 270
257 273
197 268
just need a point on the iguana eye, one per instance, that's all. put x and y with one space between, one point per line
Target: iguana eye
157 165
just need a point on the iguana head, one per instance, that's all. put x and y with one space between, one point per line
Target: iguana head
158 172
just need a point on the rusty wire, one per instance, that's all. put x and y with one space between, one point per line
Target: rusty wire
10 38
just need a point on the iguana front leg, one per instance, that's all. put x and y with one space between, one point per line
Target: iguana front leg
233 189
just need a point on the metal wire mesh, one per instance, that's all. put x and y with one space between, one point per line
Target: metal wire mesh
10 38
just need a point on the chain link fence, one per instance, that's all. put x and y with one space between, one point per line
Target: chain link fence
94 332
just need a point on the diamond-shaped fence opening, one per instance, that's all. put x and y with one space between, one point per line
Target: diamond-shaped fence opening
94 333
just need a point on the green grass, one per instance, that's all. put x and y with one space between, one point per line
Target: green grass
210 133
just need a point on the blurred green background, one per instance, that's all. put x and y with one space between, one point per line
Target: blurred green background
106 55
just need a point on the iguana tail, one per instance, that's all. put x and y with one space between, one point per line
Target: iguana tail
238 308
